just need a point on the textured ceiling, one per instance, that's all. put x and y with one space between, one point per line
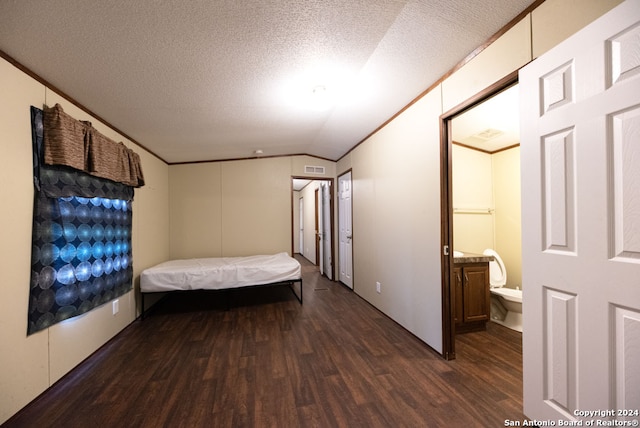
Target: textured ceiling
208 80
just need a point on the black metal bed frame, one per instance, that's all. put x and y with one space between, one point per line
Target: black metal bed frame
290 283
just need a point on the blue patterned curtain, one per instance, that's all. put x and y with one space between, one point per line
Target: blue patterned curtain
81 253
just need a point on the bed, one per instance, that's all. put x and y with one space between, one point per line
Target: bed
222 273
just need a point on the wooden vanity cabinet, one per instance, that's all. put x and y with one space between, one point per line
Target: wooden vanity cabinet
472 303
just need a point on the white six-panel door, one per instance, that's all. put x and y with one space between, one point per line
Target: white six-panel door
326 229
580 147
345 230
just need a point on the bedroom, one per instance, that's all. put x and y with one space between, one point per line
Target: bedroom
195 209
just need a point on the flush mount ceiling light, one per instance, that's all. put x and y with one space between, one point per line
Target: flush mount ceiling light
319 92
320 98
317 87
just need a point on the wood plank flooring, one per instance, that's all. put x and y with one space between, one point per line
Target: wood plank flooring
268 361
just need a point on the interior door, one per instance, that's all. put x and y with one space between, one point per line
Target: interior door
326 229
345 229
301 226
318 224
580 128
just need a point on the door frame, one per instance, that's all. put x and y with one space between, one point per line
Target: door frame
316 208
326 232
300 228
331 219
446 206
350 172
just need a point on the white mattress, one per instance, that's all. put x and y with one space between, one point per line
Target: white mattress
219 273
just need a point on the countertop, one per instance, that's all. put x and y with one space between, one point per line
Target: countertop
471 258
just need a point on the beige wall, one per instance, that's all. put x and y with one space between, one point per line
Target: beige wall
396 219
31 364
473 204
237 208
483 181
555 20
505 55
196 210
508 229
24 372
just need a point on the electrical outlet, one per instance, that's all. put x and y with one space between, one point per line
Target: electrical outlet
378 287
116 306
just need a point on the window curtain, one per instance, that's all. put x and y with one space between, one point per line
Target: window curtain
78 145
81 236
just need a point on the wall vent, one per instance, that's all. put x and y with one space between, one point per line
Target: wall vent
309 169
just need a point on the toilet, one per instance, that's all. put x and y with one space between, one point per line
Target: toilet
506 303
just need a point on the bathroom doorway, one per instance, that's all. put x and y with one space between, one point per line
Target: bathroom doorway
481 191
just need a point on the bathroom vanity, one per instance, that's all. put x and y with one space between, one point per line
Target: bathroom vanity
470 289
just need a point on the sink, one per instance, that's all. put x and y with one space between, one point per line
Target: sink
458 253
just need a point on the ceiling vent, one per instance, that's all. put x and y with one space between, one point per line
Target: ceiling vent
309 169
488 134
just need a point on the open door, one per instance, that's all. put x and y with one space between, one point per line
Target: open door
580 129
301 225
318 227
327 262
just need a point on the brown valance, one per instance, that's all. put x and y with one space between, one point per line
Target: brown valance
77 144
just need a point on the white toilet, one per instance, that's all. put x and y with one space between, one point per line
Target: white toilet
506 303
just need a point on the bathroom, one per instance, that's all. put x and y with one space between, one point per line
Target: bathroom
486 190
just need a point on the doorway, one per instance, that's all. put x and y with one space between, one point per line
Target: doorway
313 222
317 227
469 210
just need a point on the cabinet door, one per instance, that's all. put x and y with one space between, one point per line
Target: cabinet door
476 293
458 296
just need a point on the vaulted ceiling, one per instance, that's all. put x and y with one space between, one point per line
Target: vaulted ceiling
223 79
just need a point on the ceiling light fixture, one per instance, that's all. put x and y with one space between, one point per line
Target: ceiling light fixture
319 91
317 88
320 98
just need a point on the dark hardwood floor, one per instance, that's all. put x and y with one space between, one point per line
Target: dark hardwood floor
268 361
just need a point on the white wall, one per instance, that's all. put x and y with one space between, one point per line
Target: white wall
31 364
